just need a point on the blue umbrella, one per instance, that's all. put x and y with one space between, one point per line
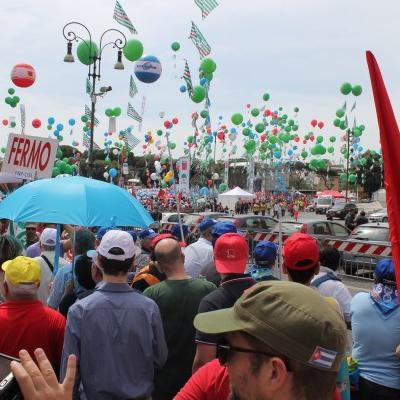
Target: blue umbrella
77 201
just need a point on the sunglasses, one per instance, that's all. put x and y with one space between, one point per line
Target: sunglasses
225 350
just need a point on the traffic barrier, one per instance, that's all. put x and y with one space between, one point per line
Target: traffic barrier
377 250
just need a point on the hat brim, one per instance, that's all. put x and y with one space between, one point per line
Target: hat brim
217 322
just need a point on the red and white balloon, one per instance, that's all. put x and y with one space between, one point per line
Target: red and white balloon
23 75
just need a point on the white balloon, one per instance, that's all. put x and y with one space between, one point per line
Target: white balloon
106 175
153 176
157 166
215 176
115 151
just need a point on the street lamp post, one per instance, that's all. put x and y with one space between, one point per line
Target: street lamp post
94 69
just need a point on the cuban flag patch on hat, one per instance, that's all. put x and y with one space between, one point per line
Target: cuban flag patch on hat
323 357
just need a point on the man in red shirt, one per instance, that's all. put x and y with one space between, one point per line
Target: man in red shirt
24 322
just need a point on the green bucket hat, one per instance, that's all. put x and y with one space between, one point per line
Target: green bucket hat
292 319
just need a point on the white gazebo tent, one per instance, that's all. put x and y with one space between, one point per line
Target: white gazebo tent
232 196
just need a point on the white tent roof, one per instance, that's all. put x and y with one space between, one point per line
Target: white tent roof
239 193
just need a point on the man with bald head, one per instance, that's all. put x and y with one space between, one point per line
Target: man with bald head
178 298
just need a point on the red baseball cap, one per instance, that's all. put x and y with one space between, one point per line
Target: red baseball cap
230 254
300 252
165 236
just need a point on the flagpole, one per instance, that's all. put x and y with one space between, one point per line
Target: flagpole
178 207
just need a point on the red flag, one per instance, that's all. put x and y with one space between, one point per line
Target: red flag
390 142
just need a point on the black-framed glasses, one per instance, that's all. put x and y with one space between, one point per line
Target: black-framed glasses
224 350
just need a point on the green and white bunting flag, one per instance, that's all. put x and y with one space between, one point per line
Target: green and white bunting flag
86 142
132 87
199 41
88 114
188 78
88 86
121 17
131 112
206 6
130 140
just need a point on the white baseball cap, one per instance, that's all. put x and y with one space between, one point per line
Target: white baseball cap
121 241
48 237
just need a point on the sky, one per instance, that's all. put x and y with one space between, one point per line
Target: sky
299 52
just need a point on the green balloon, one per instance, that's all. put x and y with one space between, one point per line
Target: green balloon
190 139
314 163
117 111
109 112
321 164
357 132
203 113
288 129
16 99
159 132
49 127
175 46
345 88
208 65
255 112
272 139
340 113
222 187
295 128
107 160
343 125
84 118
8 100
209 77
361 128
296 109
319 139
331 149
198 95
246 131
304 154
266 96
68 170
352 178
259 127
237 118
356 90
11 91
56 172
133 50
13 124
59 154
87 51
85 129
336 122
332 139
172 146
343 177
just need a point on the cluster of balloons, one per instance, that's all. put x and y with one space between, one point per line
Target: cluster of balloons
12 100
169 178
346 88
113 112
64 165
13 124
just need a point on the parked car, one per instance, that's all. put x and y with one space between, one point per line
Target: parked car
374 233
340 210
196 218
251 222
379 216
321 230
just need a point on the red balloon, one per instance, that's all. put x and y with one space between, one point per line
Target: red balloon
221 136
320 125
158 147
312 138
36 123
304 141
175 121
296 139
109 133
248 105
263 137
167 124
274 131
209 182
5 122
23 75
314 123
145 146
267 112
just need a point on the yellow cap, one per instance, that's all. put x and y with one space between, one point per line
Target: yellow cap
21 270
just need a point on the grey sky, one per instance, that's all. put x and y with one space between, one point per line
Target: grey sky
298 51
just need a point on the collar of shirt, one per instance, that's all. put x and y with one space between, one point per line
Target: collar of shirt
231 278
204 240
326 269
113 287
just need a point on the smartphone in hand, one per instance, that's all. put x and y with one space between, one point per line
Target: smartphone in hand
9 389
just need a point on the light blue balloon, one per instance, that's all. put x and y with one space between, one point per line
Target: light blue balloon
129 129
182 89
56 133
71 122
112 172
290 152
105 134
277 154
203 81
51 120
60 127
233 130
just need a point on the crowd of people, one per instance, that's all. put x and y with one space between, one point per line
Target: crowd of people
128 315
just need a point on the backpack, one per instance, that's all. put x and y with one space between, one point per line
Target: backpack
329 276
144 274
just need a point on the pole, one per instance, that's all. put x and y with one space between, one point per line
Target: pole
178 206
93 99
347 164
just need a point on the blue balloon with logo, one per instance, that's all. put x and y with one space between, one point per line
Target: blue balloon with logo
148 69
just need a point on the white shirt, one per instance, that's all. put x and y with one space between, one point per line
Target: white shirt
335 289
46 276
198 255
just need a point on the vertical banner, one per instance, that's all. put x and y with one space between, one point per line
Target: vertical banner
184 174
226 173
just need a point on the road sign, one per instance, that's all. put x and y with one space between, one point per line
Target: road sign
29 157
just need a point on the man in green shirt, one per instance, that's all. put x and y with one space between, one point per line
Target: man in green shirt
178 298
